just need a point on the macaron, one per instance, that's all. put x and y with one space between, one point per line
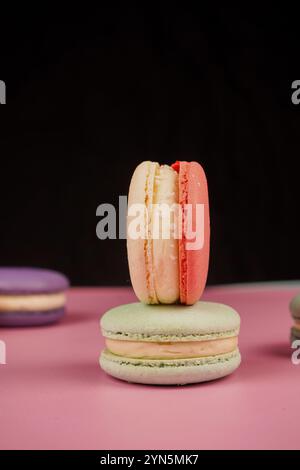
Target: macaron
170 344
31 296
295 311
171 265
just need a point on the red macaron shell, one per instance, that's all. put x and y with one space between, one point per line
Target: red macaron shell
193 263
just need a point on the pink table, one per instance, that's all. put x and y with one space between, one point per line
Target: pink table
54 395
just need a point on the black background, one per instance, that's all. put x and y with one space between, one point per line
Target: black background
93 92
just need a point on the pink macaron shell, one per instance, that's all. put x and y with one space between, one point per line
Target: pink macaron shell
136 247
194 263
198 260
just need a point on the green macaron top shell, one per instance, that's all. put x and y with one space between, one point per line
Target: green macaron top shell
140 322
295 307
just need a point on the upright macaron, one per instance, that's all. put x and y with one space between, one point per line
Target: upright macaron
168 259
295 311
170 344
31 296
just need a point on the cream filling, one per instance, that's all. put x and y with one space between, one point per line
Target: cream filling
164 244
297 325
175 350
24 303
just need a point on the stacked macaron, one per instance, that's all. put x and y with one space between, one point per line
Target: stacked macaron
169 337
170 344
295 311
31 296
162 269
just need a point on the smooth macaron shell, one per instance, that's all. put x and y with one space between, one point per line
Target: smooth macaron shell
26 281
136 249
138 321
175 372
194 263
20 319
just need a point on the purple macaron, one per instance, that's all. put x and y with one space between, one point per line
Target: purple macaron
44 304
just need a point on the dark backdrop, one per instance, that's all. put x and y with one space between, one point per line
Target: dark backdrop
92 92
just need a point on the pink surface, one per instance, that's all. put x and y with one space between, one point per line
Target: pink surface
54 395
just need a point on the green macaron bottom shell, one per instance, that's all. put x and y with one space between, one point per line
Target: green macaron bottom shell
201 321
295 307
295 334
170 371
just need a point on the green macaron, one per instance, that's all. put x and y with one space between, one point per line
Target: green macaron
295 311
170 344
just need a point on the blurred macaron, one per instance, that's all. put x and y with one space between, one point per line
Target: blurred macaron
295 311
31 296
